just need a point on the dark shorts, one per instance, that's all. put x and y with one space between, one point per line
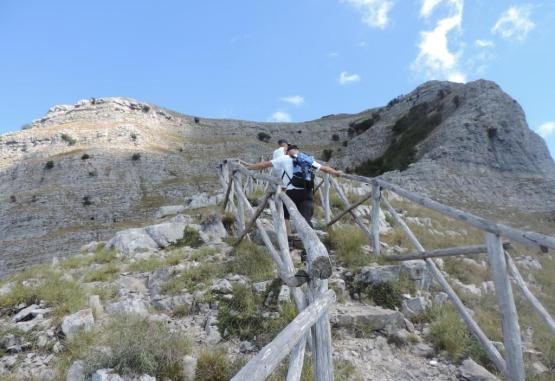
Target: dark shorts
303 199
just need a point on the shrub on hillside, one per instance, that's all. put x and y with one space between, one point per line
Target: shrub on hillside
326 154
347 242
335 137
191 238
215 365
136 156
140 345
85 156
49 164
264 137
68 139
251 260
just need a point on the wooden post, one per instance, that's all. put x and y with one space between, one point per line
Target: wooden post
488 347
376 196
538 307
347 206
326 198
505 300
343 213
446 252
254 218
269 357
240 202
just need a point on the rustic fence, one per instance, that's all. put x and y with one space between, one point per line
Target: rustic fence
311 326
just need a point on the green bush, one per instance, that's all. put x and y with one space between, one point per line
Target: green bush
386 294
136 156
140 345
241 316
85 156
191 238
408 131
102 273
49 164
347 242
335 137
68 139
190 279
264 137
326 154
251 260
215 365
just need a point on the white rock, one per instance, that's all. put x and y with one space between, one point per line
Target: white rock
128 306
166 233
169 210
414 306
91 247
283 296
539 368
96 307
222 286
132 241
189 368
82 320
471 371
24 313
76 371
212 229
440 298
106 375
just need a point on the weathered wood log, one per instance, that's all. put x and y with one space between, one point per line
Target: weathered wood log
506 302
269 357
267 241
326 196
240 202
447 252
228 193
252 222
474 328
376 198
343 213
287 271
347 206
318 186
270 179
536 304
315 249
225 179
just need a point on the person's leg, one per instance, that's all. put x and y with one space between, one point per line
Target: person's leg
307 206
287 222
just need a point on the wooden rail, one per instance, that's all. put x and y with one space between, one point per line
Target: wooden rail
313 301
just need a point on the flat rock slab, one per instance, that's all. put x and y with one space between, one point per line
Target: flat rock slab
365 317
82 320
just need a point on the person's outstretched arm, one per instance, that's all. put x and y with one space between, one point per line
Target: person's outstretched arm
330 170
259 166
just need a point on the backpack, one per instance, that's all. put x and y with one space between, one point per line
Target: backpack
303 176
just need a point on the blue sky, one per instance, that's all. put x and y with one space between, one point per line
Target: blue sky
270 60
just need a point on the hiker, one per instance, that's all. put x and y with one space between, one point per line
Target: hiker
298 178
280 151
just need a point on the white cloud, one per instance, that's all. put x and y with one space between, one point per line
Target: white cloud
483 43
334 54
435 60
296 100
346 78
280 116
546 129
428 6
514 23
361 44
374 12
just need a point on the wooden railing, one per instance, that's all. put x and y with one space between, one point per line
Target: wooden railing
312 324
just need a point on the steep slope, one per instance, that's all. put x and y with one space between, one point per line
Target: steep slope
86 170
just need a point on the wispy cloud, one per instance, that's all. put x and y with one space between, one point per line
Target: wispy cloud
435 60
483 43
295 100
280 116
345 78
546 129
514 23
375 13
333 54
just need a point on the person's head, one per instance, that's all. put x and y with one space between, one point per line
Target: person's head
292 150
282 143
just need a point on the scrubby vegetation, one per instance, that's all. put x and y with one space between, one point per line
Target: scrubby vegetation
136 156
191 237
140 346
214 364
347 242
408 131
49 164
251 260
68 139
264 137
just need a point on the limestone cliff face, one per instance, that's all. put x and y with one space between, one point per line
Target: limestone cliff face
84 171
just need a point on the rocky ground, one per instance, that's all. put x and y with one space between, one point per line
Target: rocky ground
182 277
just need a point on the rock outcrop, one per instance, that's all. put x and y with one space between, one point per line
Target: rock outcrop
85 171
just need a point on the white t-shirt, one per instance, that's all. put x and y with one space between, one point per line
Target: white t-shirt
277 153
285 164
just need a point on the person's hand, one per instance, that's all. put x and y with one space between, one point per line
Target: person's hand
338 173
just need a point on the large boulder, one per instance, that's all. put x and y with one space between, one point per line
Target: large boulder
128 306
202 200
471 371
212 229
166 233
79 321
169 210
132 241
367 318
76 371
